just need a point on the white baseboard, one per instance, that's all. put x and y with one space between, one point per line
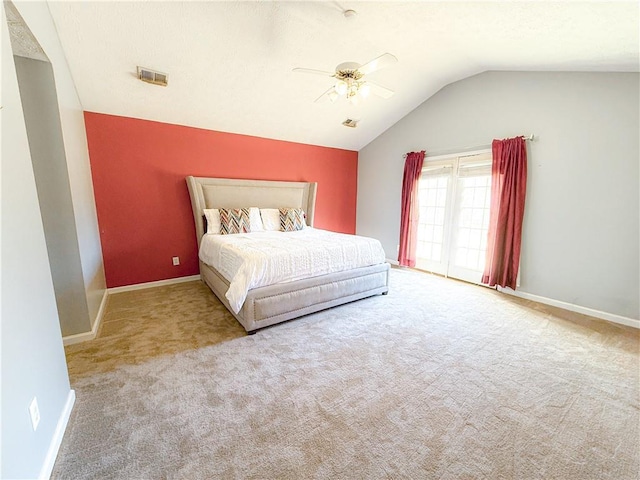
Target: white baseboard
159 283
56 441
611 317
392 262
83 337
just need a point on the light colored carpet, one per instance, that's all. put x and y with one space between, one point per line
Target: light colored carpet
141 325
438 379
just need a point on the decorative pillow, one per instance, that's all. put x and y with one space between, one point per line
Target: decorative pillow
270 219
255 220
291 219
212 217
234 220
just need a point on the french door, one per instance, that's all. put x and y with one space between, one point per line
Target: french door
454 197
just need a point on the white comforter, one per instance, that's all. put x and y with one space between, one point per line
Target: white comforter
258 259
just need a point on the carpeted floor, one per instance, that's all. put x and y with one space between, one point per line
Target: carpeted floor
438 379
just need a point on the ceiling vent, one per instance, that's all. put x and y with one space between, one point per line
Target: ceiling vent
151 76
349 122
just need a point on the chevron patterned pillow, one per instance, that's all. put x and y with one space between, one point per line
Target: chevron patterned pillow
234 220
291 219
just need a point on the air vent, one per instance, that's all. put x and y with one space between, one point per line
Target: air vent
349 122
151 76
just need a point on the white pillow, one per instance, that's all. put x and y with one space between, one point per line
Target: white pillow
255 220
213 220
270 219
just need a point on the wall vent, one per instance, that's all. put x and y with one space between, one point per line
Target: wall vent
349 122
151 76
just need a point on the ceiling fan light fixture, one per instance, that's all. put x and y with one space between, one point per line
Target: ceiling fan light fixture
333 96
364 90
341 87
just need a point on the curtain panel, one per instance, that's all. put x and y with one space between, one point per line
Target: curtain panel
410 209
508 190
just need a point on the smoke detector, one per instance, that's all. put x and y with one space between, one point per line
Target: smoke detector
351 123
151 76
349 13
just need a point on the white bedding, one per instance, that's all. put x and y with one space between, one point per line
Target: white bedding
251 260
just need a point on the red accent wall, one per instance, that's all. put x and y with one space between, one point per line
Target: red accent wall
144 212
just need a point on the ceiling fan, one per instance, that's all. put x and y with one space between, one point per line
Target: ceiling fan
350 79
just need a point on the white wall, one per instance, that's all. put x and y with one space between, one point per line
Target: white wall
33 362
44 132
37 17
581 227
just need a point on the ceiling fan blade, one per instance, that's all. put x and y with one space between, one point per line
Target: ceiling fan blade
315 72
382 61
380 91
327 96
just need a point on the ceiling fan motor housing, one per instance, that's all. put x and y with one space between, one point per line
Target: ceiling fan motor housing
348 66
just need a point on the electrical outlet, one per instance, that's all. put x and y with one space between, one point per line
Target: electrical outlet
176 260
34 411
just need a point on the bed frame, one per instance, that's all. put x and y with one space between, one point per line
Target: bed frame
277 303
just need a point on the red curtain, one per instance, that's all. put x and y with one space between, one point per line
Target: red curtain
410 209
508 188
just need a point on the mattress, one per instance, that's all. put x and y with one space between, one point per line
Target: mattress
258 259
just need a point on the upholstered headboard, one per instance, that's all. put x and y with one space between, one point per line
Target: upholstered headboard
233 193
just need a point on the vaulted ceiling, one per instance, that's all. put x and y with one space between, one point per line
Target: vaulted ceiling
230 63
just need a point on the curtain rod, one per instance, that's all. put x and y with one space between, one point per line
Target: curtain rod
530 137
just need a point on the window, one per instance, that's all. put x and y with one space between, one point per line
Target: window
454 197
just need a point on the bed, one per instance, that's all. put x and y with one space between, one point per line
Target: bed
271 304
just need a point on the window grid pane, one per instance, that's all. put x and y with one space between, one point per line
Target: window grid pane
473 222
432 200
